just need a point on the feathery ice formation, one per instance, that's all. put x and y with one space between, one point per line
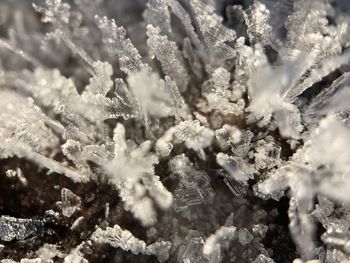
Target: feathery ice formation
189 131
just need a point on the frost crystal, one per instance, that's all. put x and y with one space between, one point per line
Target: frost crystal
176 113
70 202
216 91
158 13
117 237
224 233
194 187
169 56
194 136
256 18
120 46
18 173
231 165
150 91
76 254
132 173
227 136
12 228
193 252
213 32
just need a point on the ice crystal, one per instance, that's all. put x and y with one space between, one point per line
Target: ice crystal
224 233
132 172
76 254
158 13
118 45
118 237
159 109
256 18
18 173
213 32
12 228
216 91
150 90
227 136
169 56
194 187
190 132
47 252
70 202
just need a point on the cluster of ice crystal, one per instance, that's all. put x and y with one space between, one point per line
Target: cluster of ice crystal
13 228
178 113
117 237
194 186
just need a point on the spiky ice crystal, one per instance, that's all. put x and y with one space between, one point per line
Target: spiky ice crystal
175 130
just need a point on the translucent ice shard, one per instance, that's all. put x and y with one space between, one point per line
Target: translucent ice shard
169 56
214 33
193 252
310 25
267 154
120 46
23 133
277 181
325 68
76 254
194 187
227 136
216 91
101 82
160 249
330 100
67 26
50 89
118 237
26 126
180 107
223 234
179 11
256 18
73 151
70 202
233 166
158 13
